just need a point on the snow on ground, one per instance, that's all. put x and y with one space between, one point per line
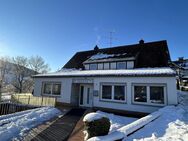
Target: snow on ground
117 121
93 116
172 125
15 126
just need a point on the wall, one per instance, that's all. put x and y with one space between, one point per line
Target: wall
169 81
66 84
68 91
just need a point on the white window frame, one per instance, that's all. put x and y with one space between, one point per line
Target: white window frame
122 63
148 102
100 66
106 66
51 89
93 64
130 64
86 66
113 65
112 94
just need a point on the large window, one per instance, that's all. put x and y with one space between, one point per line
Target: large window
113 92
149 94
51 88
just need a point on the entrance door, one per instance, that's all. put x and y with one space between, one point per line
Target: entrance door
85 98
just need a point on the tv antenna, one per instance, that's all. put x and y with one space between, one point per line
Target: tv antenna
111 38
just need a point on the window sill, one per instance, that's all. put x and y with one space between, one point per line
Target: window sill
148 104
114 101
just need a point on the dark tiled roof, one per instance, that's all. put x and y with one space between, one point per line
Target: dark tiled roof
151 54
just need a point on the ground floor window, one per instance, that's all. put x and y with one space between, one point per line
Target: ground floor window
149 94
51 88
113 92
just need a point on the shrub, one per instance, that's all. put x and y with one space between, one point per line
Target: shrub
98 127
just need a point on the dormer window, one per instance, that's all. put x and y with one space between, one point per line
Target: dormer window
106 66
93 66
121 65
130 64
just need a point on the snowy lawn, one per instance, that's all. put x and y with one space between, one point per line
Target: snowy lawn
15 126
172 125
117 121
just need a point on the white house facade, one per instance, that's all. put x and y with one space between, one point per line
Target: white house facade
111 81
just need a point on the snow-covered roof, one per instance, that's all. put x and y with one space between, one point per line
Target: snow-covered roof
128 72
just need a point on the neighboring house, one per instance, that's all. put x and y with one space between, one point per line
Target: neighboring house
130 78
181 67
10 77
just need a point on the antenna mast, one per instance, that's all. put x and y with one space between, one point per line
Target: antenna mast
111 37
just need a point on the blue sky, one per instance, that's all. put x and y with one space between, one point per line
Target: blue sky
56 29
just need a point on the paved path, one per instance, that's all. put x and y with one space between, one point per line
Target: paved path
59 130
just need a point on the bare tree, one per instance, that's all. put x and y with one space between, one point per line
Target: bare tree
4 69
38 64
21 72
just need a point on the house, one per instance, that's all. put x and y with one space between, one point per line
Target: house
11 76
129 78
181 67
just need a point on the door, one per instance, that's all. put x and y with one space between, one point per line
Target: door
85 97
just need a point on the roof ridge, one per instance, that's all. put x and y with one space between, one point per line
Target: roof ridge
152 42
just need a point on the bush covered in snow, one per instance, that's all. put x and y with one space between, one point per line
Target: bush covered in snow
96 124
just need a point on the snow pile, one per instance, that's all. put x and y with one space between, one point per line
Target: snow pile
16 125
171 125
93 116
128 72
128 129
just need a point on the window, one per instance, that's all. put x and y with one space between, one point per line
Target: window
100 66
121 65
51 88
87 67
157 94
47 88
106 66
56 89
113 65
93 66
106 92
149 94
113 92
140 94
119 92
130 64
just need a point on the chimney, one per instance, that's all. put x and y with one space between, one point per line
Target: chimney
141 41
96 48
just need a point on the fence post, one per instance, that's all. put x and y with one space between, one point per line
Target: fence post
42 101
29 100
